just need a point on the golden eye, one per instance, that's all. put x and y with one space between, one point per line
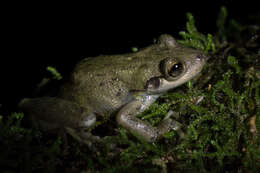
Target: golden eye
171 68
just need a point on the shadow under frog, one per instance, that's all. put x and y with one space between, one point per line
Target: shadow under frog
127 83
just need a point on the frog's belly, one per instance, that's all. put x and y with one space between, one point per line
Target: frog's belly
99 99
108 102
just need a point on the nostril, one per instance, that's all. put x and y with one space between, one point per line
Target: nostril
201 57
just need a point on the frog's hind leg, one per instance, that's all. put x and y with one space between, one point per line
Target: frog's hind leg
50 114
56 112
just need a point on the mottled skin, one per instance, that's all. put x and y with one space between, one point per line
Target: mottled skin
129 83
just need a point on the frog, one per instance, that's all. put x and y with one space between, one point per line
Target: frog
123 84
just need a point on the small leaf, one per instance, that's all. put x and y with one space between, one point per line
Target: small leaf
54 72
134 49
232 61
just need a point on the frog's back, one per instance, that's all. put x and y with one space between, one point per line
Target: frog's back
101 83
104 83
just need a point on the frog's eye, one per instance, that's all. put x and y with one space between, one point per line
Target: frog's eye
171 68
176 70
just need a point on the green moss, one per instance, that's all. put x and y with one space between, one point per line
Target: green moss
24 149
221 21
195 39
257 99
232 61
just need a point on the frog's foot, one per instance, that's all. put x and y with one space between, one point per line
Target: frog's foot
85 138
170 123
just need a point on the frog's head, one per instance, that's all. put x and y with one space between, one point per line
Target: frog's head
178 67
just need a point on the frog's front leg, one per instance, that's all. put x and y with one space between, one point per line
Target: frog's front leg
126 117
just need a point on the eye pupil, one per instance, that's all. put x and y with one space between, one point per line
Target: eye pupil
176 70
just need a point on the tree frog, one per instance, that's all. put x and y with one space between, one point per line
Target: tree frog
127 84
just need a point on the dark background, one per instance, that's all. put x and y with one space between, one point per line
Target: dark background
35 36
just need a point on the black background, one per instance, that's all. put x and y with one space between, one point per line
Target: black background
35 36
